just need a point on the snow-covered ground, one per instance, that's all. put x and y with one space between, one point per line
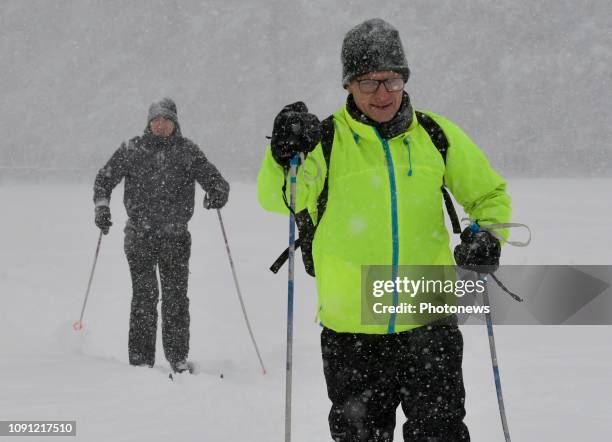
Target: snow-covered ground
556 379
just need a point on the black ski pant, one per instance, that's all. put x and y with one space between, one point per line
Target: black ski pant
168 250
368 376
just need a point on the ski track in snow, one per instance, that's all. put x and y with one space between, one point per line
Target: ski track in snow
555 379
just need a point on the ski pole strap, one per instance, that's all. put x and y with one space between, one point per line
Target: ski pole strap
492 227
276 266
505 289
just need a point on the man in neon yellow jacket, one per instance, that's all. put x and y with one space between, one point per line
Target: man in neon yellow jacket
384 207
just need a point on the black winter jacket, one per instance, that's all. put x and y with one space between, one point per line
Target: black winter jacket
160 175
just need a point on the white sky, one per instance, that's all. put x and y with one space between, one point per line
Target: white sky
529 81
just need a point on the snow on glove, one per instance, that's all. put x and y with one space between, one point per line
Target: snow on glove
295 131
478 251
215 200
103 218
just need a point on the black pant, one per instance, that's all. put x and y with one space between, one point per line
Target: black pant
368 376
167 249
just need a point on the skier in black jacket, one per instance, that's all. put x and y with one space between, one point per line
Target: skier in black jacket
160 170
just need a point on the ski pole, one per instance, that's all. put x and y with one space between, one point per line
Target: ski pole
244 312
78 325
498 388
289 367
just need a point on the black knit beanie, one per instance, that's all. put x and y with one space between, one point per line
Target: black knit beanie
373 45
164 108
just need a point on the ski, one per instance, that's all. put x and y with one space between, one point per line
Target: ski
189 370
192 370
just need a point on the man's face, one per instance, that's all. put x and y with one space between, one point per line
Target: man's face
381 105
161 127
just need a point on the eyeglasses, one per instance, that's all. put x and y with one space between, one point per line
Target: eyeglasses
370 86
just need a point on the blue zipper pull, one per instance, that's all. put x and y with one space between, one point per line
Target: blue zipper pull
407 143
356 137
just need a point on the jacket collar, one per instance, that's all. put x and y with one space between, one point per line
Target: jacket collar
403 122
156 143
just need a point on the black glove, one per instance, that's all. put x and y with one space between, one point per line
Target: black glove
478 251
215 200
295 131
103 218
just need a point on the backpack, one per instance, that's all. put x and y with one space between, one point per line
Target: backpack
307 228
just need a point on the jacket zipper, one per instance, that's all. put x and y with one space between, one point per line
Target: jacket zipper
394 225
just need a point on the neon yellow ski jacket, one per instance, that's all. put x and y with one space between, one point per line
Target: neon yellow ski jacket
384 206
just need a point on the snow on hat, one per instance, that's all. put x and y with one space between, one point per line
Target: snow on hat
164 108
373 45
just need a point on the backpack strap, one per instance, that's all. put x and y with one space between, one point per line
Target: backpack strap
435 132
327 142
438 138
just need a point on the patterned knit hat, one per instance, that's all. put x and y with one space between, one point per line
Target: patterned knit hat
373 45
